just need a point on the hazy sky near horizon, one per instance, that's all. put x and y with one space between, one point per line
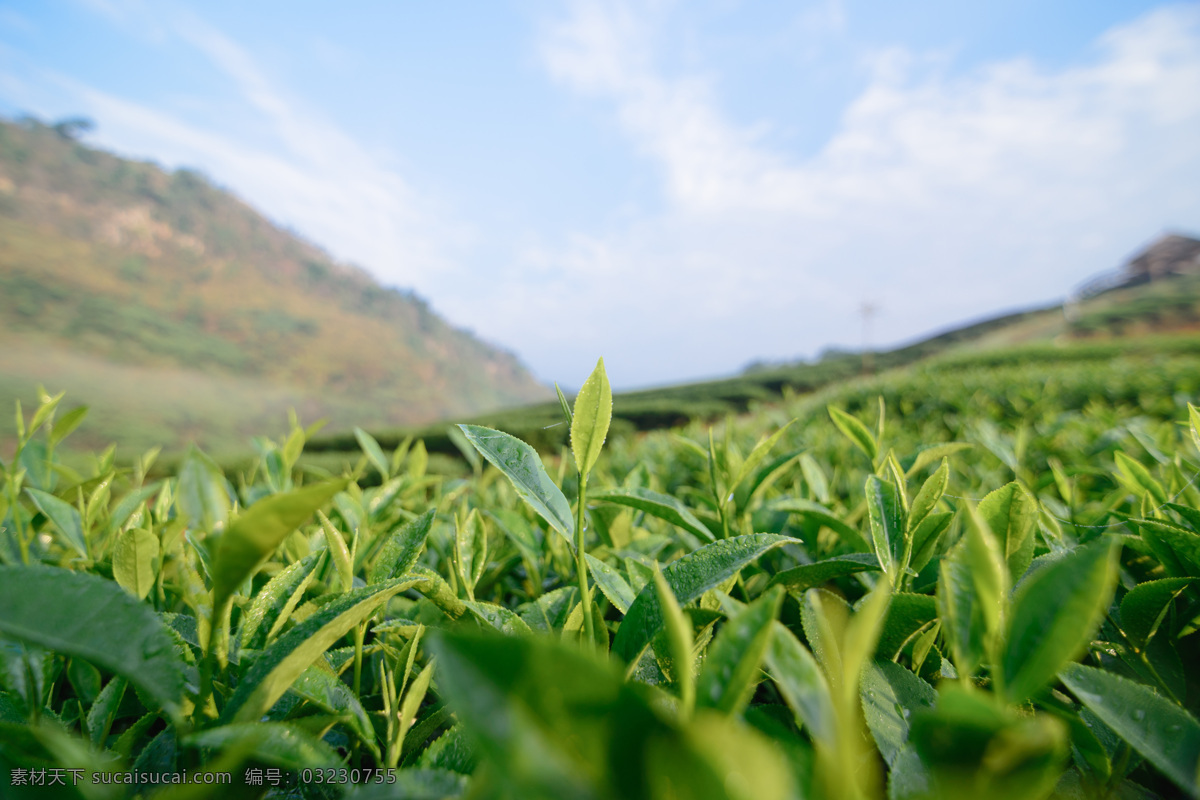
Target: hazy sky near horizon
681 187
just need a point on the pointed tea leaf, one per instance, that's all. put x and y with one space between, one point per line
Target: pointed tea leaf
275 601
731 669
689 578
797 579
657 505
1055 614
133 561
855 431
373 451
94 619
282 662
1011 515
402 549
64 516
610 582
591 418
886 513
1161 732
1143 608
252 537
520 464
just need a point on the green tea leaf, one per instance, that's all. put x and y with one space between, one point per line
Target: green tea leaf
276 601
104 711
930 454
797 579
133 561
67 423
855 431
96 620
960 611
1176 548
1143 608
717 758
662 506
568 415
926 537
65 518
756 456
373 451
1011 514
890 696
927 498
527 540
45 410
465 447
414 697
1139 477
1055 614
989 575
278 743
681 641
550 611
885 510
906 615
977 749
689 577
85 680
338 551
282 662
802 683
551 720
469 538
502 619
614 587
129 504
200 492
252 537
1161 732
321 686
824 516
402 549
575 630
520 464
415 784
591 418
814 476
435 588
731 669
1194 424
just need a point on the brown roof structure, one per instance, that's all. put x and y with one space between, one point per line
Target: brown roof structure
1171 254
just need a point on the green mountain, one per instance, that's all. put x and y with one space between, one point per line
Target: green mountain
178 313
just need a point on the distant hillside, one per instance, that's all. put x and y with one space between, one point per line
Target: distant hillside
178 313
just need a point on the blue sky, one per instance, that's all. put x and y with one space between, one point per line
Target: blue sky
681 187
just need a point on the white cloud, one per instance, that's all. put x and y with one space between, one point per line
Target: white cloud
940 197
303 170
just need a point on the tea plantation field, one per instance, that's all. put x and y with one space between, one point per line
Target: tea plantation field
975 577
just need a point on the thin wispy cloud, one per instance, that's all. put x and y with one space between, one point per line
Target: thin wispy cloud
940 196
304 172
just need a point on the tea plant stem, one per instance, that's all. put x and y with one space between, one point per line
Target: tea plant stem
206 671
359 633
585 595
13 500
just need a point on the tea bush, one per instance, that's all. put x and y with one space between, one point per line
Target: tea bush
966 580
